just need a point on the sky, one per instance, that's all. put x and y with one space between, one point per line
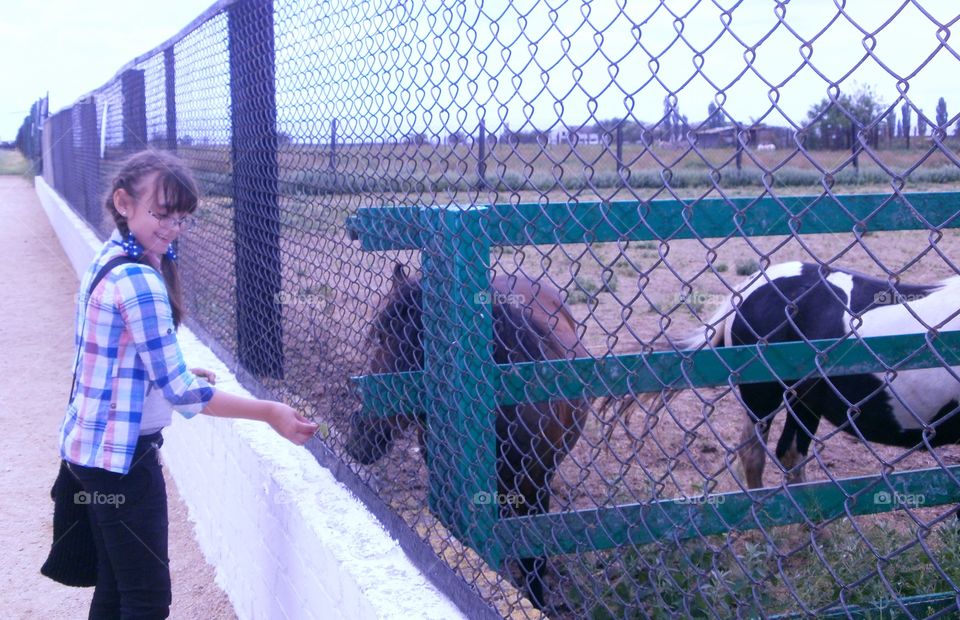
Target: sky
389 67
617 57
70 47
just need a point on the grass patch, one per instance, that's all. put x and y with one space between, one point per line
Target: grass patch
868 564
584 289
627 267
13 162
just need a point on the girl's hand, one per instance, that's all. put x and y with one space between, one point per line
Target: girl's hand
209 375
290 424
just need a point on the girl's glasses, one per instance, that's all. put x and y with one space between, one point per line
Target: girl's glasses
183 223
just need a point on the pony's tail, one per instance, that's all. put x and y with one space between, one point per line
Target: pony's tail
712 334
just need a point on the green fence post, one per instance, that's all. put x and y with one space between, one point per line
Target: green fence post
460 375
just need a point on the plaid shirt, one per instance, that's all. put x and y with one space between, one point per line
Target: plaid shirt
127 343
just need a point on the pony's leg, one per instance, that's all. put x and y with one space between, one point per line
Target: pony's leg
794 444
533 570
788 453
525 462
752 453
761 402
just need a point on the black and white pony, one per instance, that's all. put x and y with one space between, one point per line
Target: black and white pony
796 301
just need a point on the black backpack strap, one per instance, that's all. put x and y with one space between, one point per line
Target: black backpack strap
107 268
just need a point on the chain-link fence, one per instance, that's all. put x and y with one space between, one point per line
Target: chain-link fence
471 238
28 139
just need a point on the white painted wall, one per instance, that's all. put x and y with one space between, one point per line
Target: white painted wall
287 540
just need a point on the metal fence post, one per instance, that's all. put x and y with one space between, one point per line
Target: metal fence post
854 145
739 147
482 156
256 172
333 145
62 146
71 183
170 90
619 137
47 150
134 110
460 375
89 161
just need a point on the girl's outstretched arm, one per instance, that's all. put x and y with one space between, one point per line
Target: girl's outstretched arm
284 419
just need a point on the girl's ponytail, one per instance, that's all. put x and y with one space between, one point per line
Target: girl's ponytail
171 277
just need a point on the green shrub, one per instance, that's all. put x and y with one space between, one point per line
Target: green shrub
747 267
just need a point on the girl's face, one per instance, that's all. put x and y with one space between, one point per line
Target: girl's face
154 225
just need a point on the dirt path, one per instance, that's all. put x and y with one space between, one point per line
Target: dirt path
36 308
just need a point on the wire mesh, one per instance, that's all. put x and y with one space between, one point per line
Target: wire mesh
635 167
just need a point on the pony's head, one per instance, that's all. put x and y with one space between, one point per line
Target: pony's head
397 347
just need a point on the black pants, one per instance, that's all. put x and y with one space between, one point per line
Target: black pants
128 516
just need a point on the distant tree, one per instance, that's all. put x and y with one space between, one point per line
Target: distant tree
829 122
942 114
899 129
417 137
633 131
891 126
607 126
905 121
921 124
536 136
630 130
718 118
667 119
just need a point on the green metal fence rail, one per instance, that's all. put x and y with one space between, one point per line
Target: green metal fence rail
456 243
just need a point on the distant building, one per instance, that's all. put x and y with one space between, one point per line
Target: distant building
758 136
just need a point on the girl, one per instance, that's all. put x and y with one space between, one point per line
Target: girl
130 375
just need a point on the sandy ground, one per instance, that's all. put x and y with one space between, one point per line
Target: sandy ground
35 335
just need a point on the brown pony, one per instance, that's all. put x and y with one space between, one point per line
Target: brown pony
531 323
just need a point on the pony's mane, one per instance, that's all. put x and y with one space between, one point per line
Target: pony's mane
518 335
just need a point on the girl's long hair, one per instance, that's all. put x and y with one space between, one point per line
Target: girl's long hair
176 192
